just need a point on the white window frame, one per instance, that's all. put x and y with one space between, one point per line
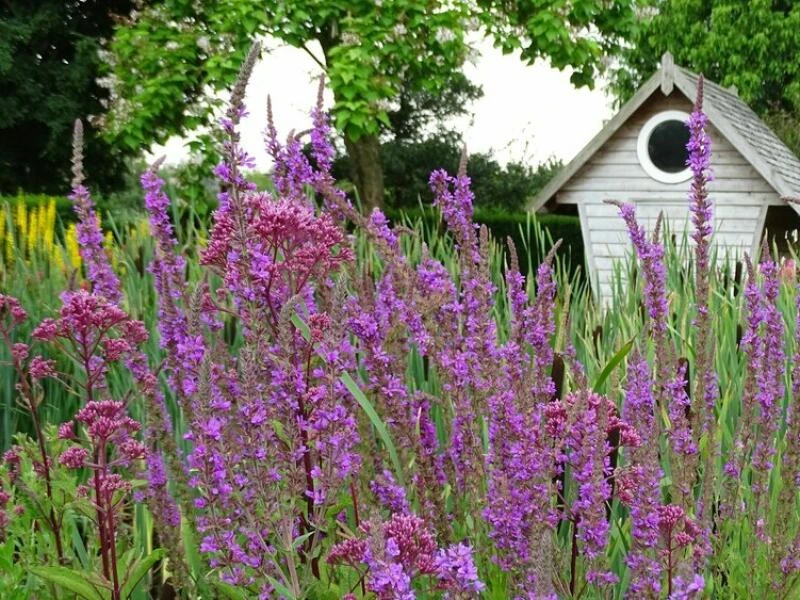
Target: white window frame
644 156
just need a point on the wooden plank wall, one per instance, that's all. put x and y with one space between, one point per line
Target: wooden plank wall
739 193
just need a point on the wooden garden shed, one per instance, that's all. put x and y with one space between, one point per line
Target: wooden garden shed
640 157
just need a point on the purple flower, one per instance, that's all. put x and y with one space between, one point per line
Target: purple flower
456 570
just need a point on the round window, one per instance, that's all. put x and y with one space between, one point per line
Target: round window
661 147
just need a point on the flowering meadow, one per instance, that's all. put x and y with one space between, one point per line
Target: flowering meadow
306 402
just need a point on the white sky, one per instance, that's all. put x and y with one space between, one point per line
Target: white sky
527 113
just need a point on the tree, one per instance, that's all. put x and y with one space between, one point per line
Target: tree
417 110
167 58
49 64
751 45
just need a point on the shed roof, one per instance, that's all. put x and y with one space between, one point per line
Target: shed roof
724 109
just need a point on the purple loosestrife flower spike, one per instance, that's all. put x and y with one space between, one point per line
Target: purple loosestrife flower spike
467 353
90 238
769 376
185 351
525 432
705 390
752 347
651 257
639 484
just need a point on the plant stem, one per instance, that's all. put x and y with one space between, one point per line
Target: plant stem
101 520
116 593
573 563
27 394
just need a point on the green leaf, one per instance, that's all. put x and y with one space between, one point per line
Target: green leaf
78 545
612 364
139 570
71 581
280 588
301 327
377 423
226 590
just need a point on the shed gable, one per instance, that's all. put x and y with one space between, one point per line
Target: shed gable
741 195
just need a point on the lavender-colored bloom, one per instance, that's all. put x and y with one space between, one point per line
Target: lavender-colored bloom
688 590
456 570
699 161
90 238
769 376
390 495
588 458
186 350
651 258
706 390
639 487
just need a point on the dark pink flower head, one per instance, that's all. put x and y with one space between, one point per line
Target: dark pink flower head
74 457
415 543
19 352
113 482
349 552
115 348
318 323
131 449
284 246
309 241
107 419
669 516
555 414
10 306
46 331
89 322
11 457
83 313
41 367
66 431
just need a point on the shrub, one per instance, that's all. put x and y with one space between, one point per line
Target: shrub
520 227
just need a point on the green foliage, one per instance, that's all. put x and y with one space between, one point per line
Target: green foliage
750 45
570 33
49 65
371 52
27 539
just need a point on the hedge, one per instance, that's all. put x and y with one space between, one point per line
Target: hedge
521 228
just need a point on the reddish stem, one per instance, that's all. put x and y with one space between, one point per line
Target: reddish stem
573 563
27 394
101 518
116 592
669 563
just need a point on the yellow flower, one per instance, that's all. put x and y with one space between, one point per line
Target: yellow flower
49 226
33 230
71 243
2 222
21 219
9 245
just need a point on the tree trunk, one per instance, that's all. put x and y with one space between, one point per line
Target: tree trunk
366 170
